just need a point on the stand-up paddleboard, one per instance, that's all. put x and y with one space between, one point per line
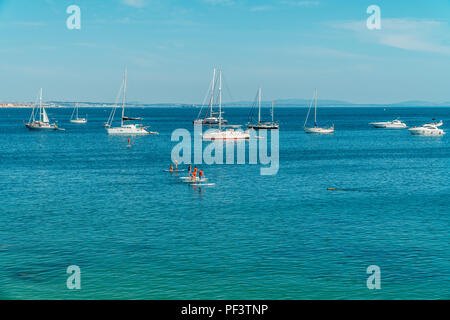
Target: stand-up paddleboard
188 180
203 184
179 170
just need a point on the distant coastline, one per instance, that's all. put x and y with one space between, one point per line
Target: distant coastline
241 104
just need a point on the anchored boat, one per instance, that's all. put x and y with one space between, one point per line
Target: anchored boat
125 129
77 119
211 117
219 134
427 130
263 125
394 124
39 119
316 129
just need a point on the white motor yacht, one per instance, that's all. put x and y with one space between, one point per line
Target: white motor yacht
395 124
427 130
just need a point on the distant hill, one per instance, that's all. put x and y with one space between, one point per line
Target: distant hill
291 102
419 103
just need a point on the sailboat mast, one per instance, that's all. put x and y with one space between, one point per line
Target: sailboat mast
273 101
124 96
259 104
315 108
211 100
40 105
220 99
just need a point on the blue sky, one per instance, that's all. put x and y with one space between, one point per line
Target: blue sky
171 46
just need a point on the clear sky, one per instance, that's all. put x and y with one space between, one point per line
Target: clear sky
171 46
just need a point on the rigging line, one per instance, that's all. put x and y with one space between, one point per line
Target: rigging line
32 110
204 99
71 117
255 101
213 97
309 110
113 111
228 89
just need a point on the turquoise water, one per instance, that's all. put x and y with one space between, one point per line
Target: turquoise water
81 197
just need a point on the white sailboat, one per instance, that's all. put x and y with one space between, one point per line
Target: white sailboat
316 128
229 134
125 129
41 123
211 117
77 119
260 124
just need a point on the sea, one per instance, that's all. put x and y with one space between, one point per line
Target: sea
79 197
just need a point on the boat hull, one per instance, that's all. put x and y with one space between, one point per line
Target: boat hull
388 125
395 126
318 130
378 125
34 127
272 126
78 121
129 130
418 131
226 135
209 122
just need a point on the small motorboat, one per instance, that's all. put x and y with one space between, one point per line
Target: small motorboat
395 124
427 130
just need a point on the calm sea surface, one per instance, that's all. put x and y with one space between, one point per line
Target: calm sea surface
81 197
